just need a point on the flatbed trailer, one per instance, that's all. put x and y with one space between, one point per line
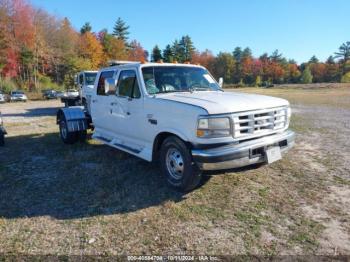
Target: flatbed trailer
71 101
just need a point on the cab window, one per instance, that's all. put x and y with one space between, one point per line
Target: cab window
128 85
101 91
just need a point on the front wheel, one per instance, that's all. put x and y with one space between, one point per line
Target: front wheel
177 165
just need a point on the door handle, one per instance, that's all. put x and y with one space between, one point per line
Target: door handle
128 113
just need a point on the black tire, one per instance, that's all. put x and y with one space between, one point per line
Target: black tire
2 138
188 175
82 135
66 136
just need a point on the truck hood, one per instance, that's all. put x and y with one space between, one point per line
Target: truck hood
217 102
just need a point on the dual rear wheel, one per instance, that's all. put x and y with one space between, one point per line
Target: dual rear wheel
70 137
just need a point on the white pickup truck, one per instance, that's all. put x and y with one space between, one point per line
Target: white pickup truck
178 114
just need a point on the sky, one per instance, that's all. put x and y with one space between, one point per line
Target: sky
299 29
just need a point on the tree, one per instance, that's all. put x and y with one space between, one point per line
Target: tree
292 73
330 60
224 66
120 30
258 81
332 70
178 52
113 48
86 28
247 53
344 52
168 55
156 54
90 48
237 54
276 56
306 77
136 52
345 78
344 55
313 60
205 59
318 71
187 49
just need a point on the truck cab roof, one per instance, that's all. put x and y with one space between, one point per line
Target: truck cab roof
138 65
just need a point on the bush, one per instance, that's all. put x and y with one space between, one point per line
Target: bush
46 83
306 77
345 78
7 85
258 81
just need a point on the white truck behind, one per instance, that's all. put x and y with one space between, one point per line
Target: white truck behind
178 114
84 82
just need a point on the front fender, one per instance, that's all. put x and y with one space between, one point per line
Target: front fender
176 132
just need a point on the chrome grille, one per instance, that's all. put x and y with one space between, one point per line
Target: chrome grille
259 122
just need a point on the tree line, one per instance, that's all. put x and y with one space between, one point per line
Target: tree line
240 67
39 50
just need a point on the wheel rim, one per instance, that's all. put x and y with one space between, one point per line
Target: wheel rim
63 130
175 163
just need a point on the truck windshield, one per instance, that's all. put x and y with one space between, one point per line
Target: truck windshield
168 79
90 78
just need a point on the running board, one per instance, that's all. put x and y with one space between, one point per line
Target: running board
136 151
117 145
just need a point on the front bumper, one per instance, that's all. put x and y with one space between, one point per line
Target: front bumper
18 99
242 154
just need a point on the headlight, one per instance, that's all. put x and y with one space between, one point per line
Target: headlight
213 127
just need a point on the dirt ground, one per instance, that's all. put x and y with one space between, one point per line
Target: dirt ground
91 199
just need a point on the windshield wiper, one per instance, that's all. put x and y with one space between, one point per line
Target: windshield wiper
200 88
173 91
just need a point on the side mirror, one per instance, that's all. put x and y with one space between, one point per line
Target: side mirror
110 86
221 82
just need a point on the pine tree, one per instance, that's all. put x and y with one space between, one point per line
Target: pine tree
330 60
178 53
247 52
314 60
237 54
344 52
168 55
156 54
86 28
120 30
276 56
306 77
187 48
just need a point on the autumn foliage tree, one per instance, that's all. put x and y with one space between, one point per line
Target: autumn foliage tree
90 48
136 52
39 50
